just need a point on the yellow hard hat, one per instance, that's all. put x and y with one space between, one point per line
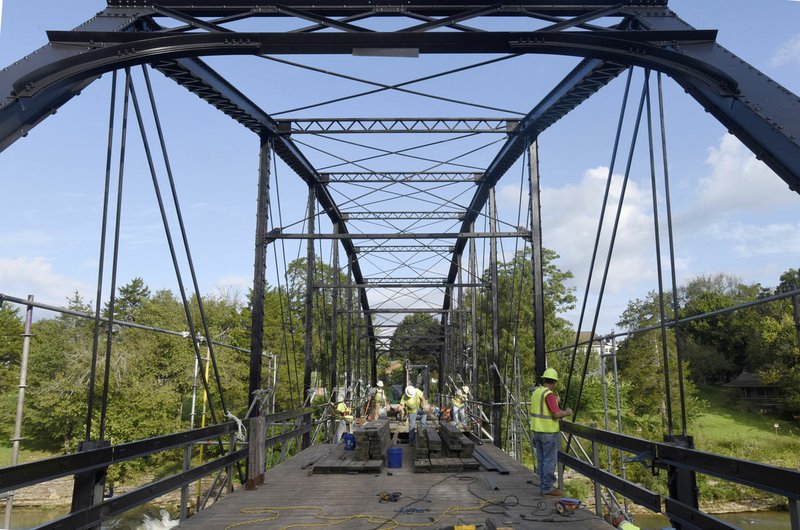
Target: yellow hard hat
550 373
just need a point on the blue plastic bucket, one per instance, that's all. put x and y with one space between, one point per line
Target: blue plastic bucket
349 441
395 456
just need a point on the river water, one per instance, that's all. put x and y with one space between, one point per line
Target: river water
766 520
143 518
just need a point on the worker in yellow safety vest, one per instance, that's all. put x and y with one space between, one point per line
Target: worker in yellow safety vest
377 402
344 415
544 414
414 404
458 409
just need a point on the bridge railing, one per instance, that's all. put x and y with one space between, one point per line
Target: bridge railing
676 458
92 461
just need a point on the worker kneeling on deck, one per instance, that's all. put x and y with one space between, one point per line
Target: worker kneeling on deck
415 405
545 414
344 415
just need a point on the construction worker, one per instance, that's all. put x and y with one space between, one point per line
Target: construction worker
344 415
545 413
458 409
377 406
414 404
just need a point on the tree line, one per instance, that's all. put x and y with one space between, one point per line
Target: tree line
151 376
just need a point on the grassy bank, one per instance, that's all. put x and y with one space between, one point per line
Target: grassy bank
725 429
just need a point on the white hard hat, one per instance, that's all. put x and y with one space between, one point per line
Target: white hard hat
411 391
380 384
339 398
459 393
465 389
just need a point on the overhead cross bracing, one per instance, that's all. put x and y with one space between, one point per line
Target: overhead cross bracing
452 196
397 125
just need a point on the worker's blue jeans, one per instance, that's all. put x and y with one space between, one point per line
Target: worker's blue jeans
412 420
546 456
458 416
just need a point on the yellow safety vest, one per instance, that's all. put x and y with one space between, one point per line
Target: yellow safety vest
458 401
541 418
379 398
342 410
412 403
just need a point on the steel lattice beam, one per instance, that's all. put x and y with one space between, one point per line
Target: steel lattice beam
360 177
397 125
439 249
401 216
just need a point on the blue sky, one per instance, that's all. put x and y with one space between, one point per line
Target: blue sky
731 213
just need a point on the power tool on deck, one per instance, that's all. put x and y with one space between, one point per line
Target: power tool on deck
567 505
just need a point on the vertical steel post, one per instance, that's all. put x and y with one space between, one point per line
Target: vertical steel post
349 365
682 483
473 274
23 384
540 358
459 353
796 306
334 312
444 349
497 410
309 330
598 497
259 274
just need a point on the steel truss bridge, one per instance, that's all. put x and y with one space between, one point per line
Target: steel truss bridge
438 208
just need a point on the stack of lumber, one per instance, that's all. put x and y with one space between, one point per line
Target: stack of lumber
432 452
454 440
372 440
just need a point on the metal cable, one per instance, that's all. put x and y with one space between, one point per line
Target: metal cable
168 233
101 259
604 204
184 237
657 237
678 344
631 151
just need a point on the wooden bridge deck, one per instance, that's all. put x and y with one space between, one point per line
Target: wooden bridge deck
294 497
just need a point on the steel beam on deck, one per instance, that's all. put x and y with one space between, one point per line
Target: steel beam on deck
396 125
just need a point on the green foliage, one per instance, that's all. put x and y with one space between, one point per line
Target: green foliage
11 329
415 340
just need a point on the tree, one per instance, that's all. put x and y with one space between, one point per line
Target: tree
417 339
641 363
129 299
11 329
516 313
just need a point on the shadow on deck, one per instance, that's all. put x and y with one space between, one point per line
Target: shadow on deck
293 495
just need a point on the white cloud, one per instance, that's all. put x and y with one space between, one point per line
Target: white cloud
233 286
789 52
739 182
22 276
569 218
750 240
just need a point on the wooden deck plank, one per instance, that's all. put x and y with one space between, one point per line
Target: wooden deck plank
292 495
